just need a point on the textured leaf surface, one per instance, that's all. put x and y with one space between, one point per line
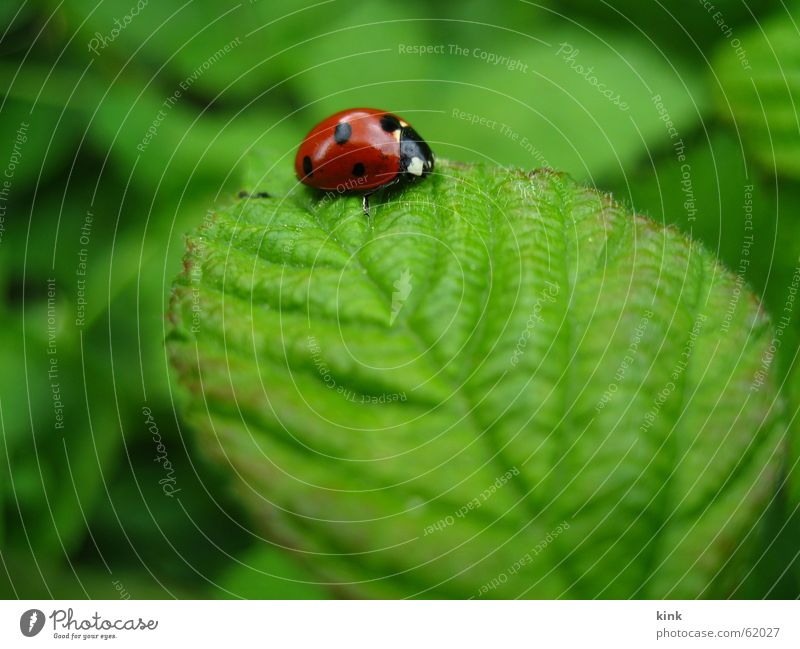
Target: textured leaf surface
507 386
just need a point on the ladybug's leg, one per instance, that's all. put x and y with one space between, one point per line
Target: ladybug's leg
365 197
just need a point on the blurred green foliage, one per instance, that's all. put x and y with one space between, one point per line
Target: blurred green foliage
142 124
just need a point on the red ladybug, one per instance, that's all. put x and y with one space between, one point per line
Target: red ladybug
362 150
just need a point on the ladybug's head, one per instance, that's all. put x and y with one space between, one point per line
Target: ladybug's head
416 157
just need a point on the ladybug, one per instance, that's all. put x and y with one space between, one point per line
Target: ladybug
362 150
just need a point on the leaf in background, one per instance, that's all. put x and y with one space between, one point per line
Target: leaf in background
587 109
58 457
13 13
538 108
712 196
36 139
153 137
169 147
501 428
184 36
758 91
268 573
677 25
791 520
21 581
364 57
793 462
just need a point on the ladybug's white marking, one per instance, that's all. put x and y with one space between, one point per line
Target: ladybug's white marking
416 166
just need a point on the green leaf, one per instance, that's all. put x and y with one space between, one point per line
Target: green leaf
268 573
155 136
238 51
718 197
559 96
504 385
13 14
759 90
163 145
705 194
683 27
793 463
35 144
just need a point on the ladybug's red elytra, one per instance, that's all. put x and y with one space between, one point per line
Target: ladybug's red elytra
362 150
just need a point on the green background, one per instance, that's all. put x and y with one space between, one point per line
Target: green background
83 512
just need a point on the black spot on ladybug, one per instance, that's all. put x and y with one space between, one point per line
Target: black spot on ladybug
390 123
307 168
358 169
342 132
